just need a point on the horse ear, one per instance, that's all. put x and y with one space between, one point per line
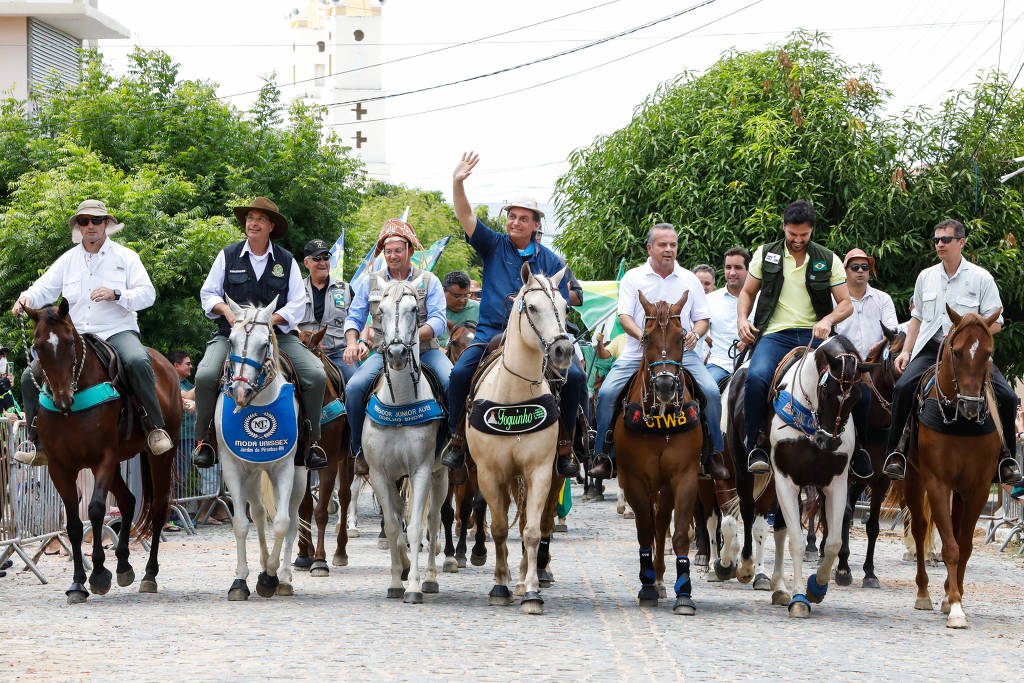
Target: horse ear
648 306
556 279
866 367
989 321
236 310
889 335
32 313
417 282
525 273
954 317
451 328
267 312
318 337
677 307
64 308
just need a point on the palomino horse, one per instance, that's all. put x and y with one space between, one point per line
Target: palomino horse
77 439
334 439
813 448
955 472
513 393
256 384
658 440
401 447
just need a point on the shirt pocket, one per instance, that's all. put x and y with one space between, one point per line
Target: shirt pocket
967 303
928 305
116 279
237 277
72 289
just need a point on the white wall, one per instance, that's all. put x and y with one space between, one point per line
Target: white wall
14 56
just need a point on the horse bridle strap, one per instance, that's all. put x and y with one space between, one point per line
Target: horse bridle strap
846 387
414 366
545 344
77 363
959 399
267 369
663 361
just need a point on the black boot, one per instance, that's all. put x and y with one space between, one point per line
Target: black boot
565 466
860 463
895 466
718 470
455 454
205 453
602 467
314 458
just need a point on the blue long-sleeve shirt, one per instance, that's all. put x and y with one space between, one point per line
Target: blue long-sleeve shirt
359 311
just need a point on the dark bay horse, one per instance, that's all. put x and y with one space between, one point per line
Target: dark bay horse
658 440
90 439
955 472
335 442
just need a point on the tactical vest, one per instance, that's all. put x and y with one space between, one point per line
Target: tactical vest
241 285
376 292
817 281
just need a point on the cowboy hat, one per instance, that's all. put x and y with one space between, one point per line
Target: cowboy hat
396 228
528 203
92 207
859 253
268 207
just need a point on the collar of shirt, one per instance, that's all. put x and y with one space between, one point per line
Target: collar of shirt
963 266
869 292
530 248
648 270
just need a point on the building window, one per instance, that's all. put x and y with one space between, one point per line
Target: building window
358 35
319 71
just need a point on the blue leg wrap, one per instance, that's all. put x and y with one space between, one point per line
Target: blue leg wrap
647 575
814 589
800 597
683 586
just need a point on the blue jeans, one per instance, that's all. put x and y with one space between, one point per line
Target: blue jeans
770 350
620 374
718 373
346 370
355 390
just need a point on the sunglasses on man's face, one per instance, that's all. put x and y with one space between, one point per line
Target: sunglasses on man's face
95 220
859 266
945 239
321 257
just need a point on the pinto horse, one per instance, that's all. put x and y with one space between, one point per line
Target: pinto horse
658 467
955 472
90 439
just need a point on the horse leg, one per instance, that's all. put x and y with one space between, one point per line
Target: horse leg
496 494
390 504
233 480
811 499
447 521
126 504
64 482
745 492
355 487
685 487
464 509
788 496
913 494
939 498
345 503
268 580
438 488
878 491
420 481
662 520
761 580
327 476
835 509
780 591
304 558
969 509
294 497
538 488
258 512
478 556
844 575
99 579
640 501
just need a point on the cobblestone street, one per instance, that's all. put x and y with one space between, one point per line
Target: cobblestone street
342 627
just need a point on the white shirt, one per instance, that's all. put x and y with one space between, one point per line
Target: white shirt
970 289
863 328
3 364
723 326
212 292
77 272
657 288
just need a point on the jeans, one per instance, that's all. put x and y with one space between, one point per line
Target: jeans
718 373
768 353
347 371
356 388
623 369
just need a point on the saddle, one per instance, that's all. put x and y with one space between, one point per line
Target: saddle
111 361
432 381
787 362
930 413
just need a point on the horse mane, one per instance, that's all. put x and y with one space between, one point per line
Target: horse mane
843 342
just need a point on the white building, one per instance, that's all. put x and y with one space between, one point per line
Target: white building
343 37
39 38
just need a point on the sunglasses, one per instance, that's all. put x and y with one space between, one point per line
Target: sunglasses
945 239
321 257
95 220
860 266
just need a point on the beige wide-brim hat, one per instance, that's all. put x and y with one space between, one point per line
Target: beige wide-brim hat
528 203
268 207
92 207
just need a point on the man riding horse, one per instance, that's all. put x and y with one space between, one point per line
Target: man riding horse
503 256
797 280
105 284
966 288
256 272
397 241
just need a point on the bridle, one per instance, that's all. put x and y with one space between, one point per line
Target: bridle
77 362
408 345
889 368
960 400
267 369
545 343
845 388
666 363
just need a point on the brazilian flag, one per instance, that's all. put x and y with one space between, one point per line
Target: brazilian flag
564 500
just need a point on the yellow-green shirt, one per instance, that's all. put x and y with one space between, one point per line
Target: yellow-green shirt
794 310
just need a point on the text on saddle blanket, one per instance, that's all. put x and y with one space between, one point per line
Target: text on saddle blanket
636 419
514 418
404 415
260 433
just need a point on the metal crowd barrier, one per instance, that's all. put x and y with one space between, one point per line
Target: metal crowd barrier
1012 515
201 490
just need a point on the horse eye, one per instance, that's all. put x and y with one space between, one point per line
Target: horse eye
531 308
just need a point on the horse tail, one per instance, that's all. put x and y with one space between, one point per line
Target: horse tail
894 497
517 493
812 507
929 526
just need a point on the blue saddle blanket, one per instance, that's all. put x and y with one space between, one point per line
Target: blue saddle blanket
98 394
794 413
403 416
261 433
332 411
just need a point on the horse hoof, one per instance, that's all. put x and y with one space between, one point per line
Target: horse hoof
629 514
924 603
499 596
238 591
520 590
620 508
532 603
799 607
353 533
461 561
413 598
319 568
724 573
745 572
662 593
844 577
684 606
545 577
478 560
396 593
780 598
945 606
147 586
285 590
99 582
870 582
431 587
266 585
957 619
303 563
762 583
561 528
339 560
648 596
382 543
77 594
451 565
701 560
126 578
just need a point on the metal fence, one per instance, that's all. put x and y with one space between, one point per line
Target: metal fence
197 492
1011 514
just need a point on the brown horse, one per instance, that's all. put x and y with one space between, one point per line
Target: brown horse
335 442
459 338
955 472
658 454
90 439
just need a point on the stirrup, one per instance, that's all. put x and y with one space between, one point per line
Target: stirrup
566 467
29 454
758 461
865 459
315 458
602 467
895 466
159 441
1014 476
204 455
454 455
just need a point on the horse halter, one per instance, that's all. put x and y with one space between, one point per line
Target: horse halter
77 363
845 387
665 362
960 400
267 369
545 343
414 365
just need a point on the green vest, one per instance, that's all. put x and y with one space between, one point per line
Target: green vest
818 287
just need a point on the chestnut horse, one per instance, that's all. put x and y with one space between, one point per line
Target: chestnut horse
658 468
89 439
955 472
334 439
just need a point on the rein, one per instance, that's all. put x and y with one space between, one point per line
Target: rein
960 401
845 387
664 361
545 343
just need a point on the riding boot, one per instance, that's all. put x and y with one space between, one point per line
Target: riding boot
205 453
455 454
1008 472
602 465
314 457
860 463
158 441
565 466
895 466
359 466
30 451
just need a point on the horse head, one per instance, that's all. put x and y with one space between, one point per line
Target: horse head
663 346
60 350
543 307
839 377
399 323
252 359
963 363
460 336
311 340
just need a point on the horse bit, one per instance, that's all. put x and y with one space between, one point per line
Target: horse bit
665 361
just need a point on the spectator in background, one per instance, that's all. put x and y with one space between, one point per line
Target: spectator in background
722 303
474 290
6 381
459 306
706 275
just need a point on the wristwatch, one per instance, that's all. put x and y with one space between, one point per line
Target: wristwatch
117 294
365 341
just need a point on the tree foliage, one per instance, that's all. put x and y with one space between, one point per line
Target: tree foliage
720 155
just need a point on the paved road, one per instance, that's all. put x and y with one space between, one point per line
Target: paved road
342 627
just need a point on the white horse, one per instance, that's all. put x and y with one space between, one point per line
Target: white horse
395 451
256 379
826 382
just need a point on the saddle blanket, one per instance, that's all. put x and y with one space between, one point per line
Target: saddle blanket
97 394
261 433
636 420
796 415
332 411
931 417
513 418
403 416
